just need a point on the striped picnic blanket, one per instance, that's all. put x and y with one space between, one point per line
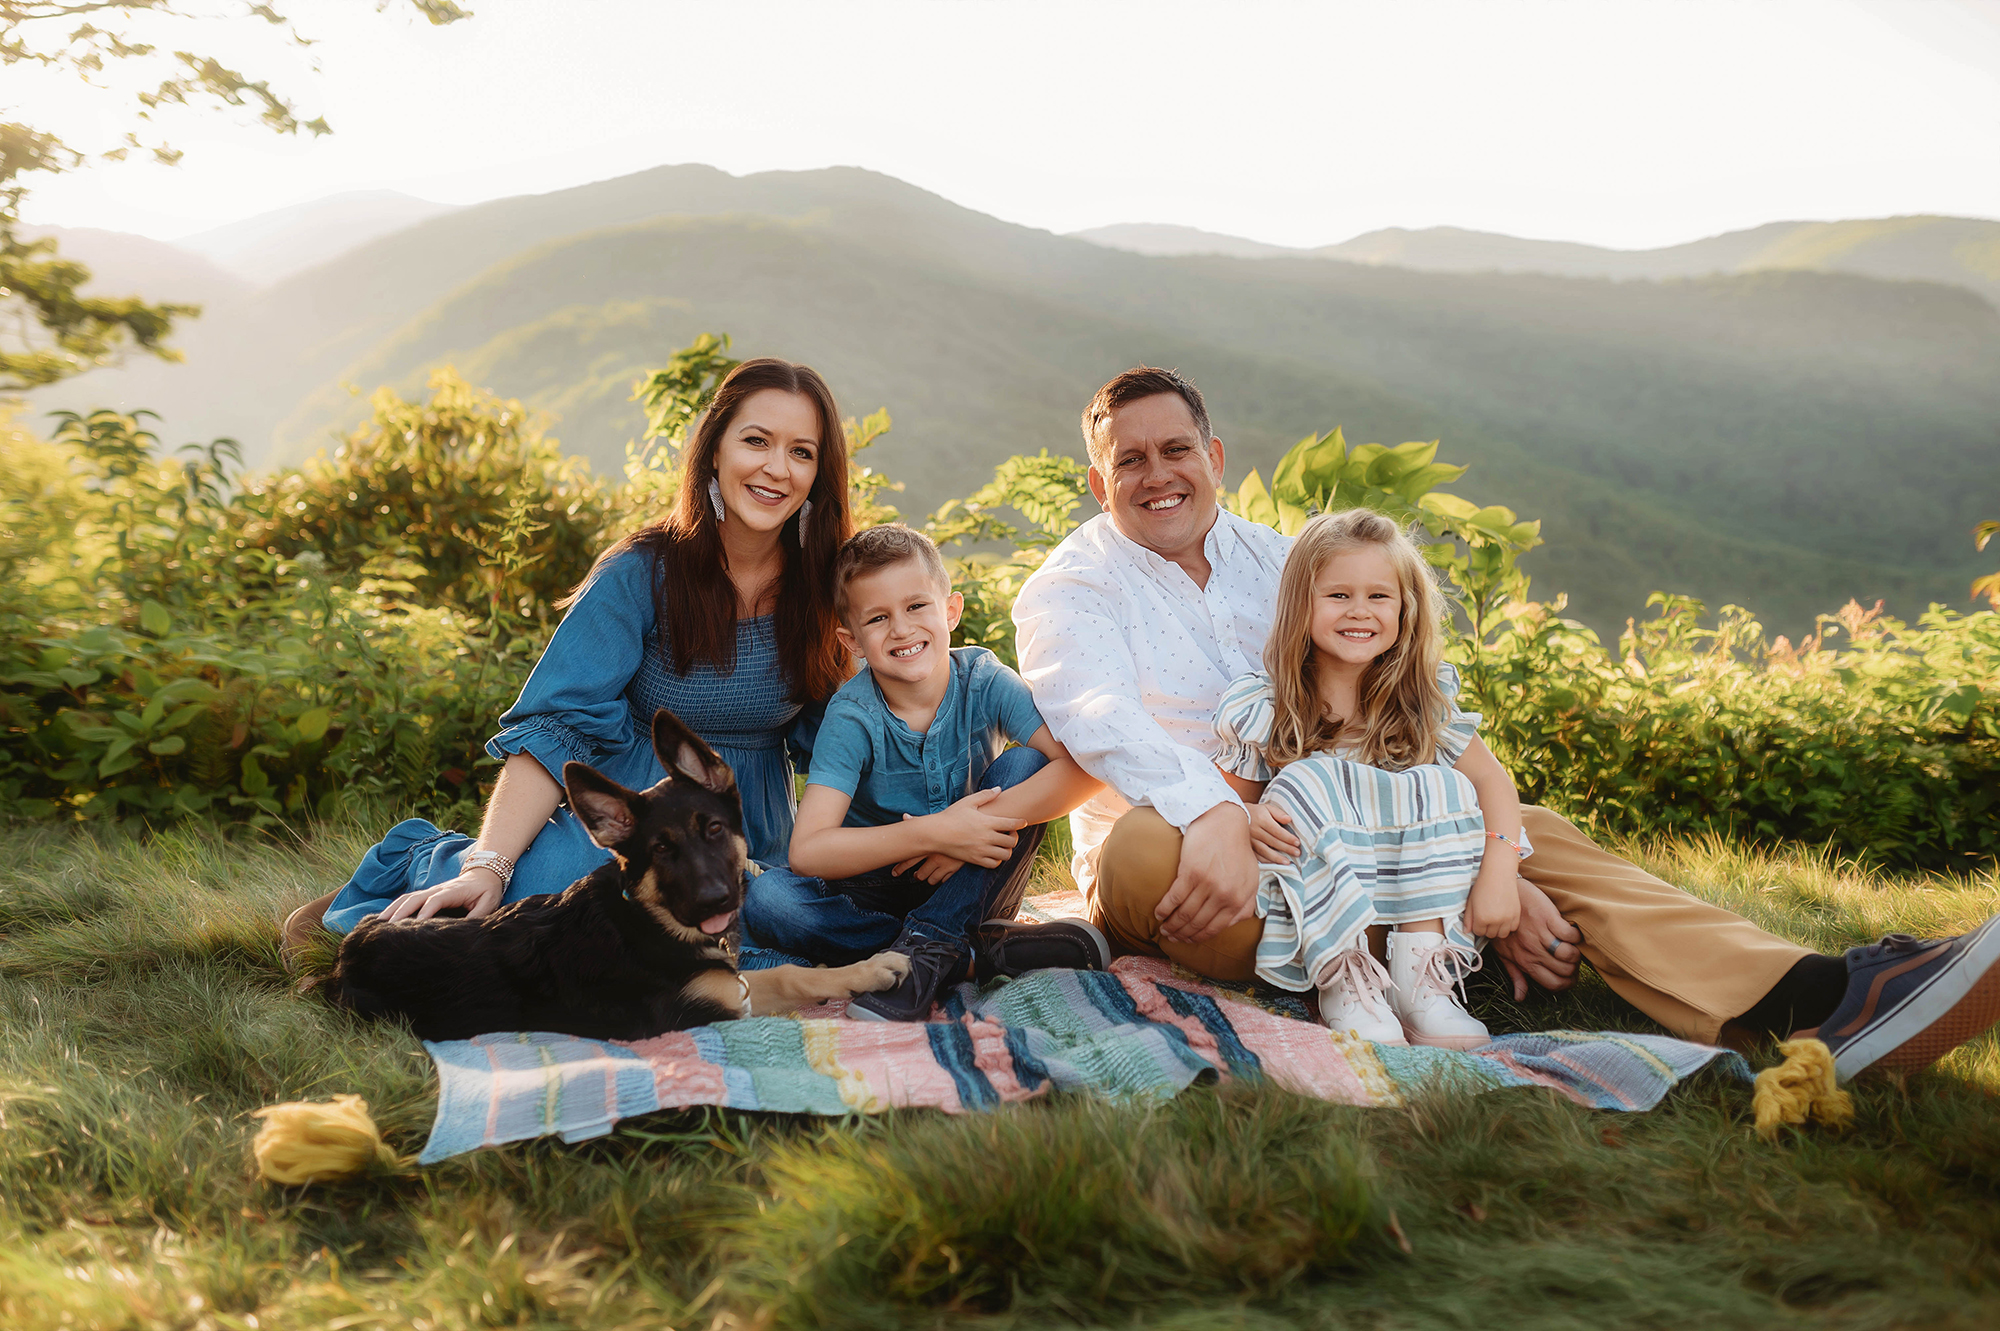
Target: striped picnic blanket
1141 1029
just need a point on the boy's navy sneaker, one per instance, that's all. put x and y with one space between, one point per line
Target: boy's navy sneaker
1011 948
1910 1001
935 964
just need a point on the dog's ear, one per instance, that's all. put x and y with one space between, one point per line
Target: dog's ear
604 806
686 757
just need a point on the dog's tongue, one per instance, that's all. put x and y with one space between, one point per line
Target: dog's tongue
715 924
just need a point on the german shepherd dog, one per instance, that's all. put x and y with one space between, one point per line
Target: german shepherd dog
644 944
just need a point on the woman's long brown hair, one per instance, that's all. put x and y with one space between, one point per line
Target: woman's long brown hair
691 588
1402 709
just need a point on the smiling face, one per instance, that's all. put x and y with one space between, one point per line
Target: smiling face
1357 608
767 458
900 617
1157 476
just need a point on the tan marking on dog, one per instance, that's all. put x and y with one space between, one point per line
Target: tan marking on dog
724 988
646 892
789 988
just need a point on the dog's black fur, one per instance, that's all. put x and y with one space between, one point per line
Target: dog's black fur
619 955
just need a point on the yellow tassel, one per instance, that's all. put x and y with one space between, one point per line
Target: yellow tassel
1801 1088
305 1142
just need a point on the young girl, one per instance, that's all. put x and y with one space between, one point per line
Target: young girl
1398 815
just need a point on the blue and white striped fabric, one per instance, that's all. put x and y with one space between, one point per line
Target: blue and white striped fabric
1378 847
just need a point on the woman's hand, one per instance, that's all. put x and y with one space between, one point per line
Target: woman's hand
1268 834
1494 910
477 890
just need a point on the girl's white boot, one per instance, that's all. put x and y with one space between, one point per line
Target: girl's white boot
1354 997
1424 969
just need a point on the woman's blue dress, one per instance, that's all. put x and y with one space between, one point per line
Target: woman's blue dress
591 698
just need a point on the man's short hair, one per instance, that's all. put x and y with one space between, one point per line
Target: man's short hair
1139 382
878 548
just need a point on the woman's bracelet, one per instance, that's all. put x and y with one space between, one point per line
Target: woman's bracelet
501 865
1519 853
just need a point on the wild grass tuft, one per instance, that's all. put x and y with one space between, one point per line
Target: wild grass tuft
1080 1208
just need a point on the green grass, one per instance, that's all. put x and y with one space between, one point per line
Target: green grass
144 1015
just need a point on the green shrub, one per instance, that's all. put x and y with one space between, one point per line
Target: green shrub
345 635
348 634
1875 736
339 700
491 517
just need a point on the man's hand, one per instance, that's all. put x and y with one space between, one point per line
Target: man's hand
968 833
478 890
1270 836
1543 948
1217 883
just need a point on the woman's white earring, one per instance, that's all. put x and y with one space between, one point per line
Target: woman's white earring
715 496
805 513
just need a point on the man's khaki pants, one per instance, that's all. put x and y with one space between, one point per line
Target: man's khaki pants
1686 964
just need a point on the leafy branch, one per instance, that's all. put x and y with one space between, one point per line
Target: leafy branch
50 330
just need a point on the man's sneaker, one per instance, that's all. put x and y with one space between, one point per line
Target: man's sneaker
934 964
1424 968
1910 1001
1354 998
1011 948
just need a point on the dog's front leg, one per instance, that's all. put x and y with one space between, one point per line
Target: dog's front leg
789 988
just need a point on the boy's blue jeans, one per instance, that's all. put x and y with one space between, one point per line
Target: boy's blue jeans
848 919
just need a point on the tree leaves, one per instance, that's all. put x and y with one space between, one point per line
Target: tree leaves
49 330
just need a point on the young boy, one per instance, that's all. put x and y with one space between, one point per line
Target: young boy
916 826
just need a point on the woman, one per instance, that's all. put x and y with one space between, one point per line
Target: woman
722 613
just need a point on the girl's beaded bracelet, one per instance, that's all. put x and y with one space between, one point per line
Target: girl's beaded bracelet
1510 841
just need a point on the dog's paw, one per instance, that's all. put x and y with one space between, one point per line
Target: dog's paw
883 971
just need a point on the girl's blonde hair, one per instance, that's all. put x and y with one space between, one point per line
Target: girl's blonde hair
1402 708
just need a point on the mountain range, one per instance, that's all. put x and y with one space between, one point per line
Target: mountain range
1958 251
1783 437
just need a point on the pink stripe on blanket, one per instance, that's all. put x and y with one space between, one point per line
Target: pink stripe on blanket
681 1076
990 1055
1298 1055
894 1060
1538 1077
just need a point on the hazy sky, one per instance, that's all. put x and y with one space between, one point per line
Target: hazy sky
1618 122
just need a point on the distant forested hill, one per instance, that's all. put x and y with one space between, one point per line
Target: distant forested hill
1958 251
1779 439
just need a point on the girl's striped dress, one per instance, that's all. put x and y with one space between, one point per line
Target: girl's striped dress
1377 847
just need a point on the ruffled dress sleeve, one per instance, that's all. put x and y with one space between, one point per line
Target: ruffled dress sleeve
573 707
1461 727
1243 721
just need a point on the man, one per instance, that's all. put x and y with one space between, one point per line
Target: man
1141 617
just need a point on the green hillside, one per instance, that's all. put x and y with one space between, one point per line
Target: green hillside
1782 440
1958 251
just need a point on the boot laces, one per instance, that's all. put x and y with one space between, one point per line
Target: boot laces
932 956
1356 972
1446 968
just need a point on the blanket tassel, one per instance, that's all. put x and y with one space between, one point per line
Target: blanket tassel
1799 1089
319 1142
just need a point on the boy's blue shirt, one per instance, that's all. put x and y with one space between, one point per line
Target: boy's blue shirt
868 753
